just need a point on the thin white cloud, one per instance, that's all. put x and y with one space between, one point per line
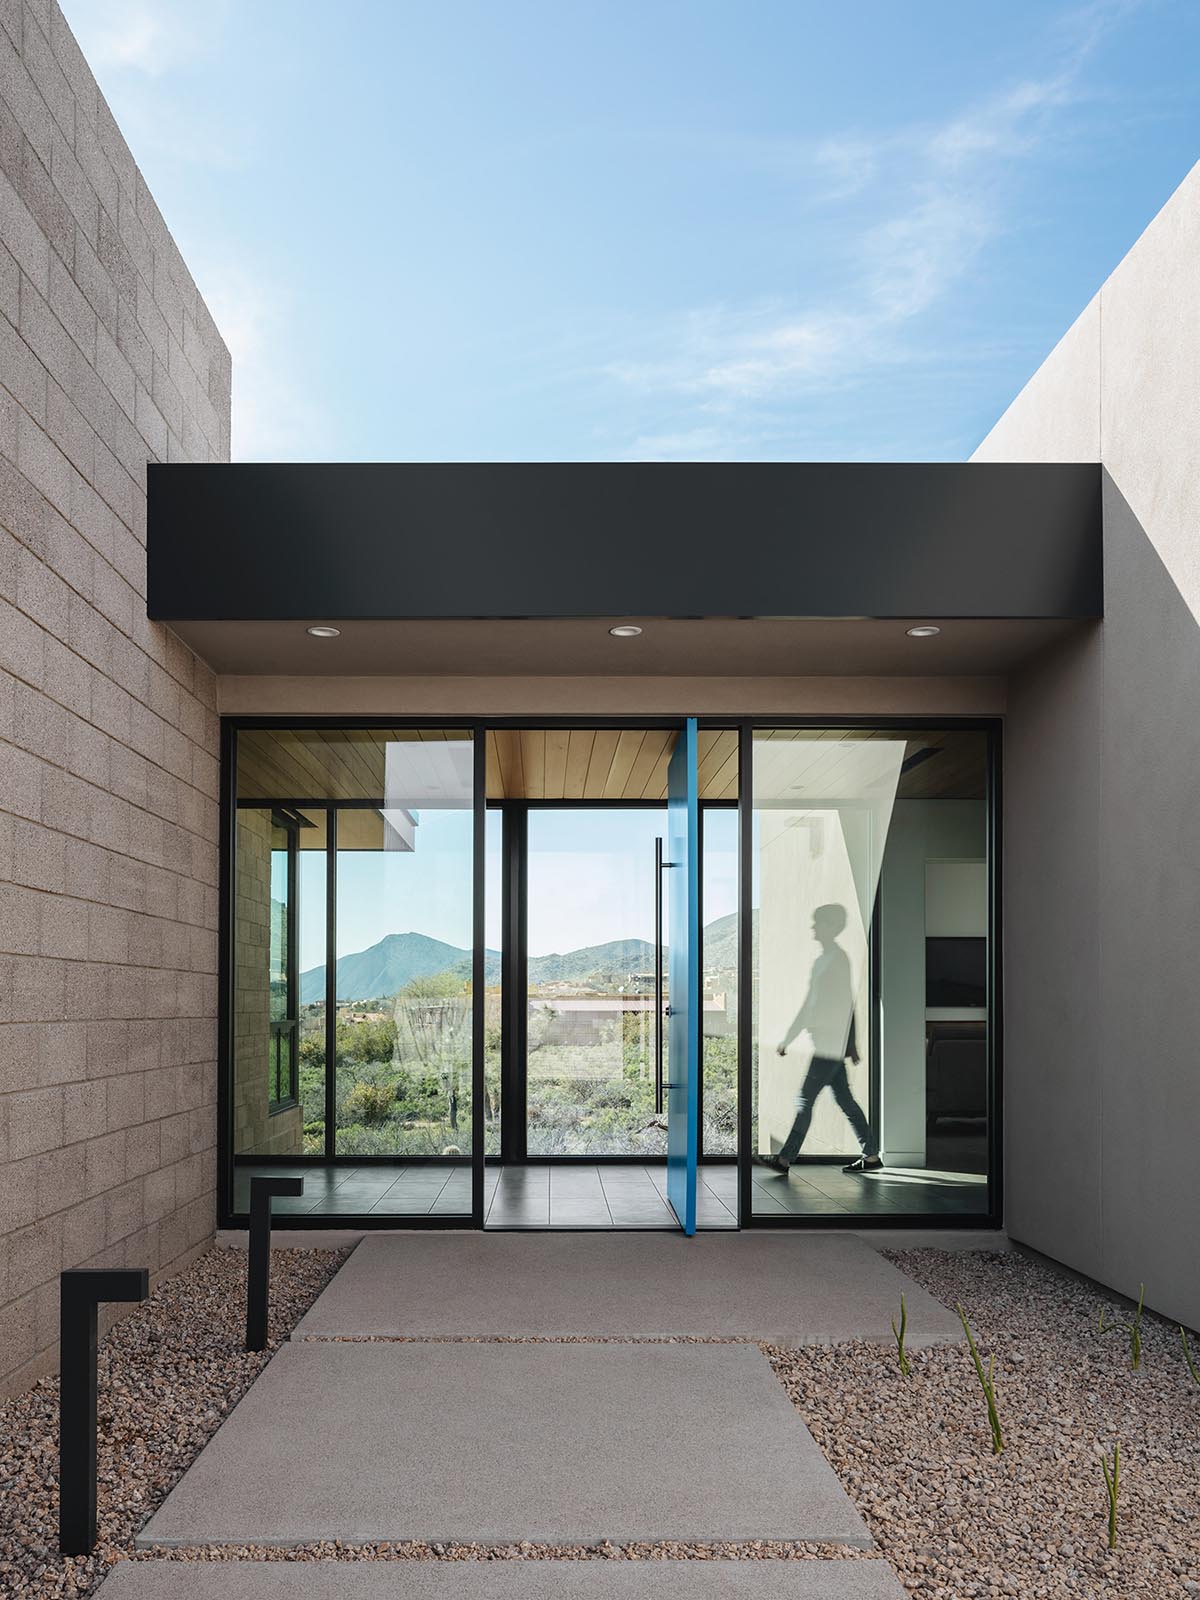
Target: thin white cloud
140 51
913 209
150 37
274 416
704 443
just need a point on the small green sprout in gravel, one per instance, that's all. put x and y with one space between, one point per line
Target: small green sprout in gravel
1189 1358
1135 1332
899 1334
1112 1486
985 1383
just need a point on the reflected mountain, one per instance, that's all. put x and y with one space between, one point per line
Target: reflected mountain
397 959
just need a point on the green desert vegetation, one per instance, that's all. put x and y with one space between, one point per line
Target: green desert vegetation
986 1383
403 1079
900 1334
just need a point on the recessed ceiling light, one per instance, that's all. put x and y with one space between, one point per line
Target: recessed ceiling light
925 631
324 632
627 630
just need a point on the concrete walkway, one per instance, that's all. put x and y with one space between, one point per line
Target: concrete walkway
779 1288
556 1390
497 1443
503 1580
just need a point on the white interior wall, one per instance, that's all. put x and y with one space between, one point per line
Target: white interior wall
953 835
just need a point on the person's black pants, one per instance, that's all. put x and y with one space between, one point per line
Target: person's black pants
825 1073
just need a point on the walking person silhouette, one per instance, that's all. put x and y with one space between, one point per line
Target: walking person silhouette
827 1015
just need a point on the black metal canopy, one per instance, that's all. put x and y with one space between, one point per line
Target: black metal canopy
407 541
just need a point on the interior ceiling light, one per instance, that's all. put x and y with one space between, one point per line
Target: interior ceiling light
925 631
627 630
323 631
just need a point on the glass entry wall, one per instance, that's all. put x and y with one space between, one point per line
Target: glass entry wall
378 1043
869 883
356 1014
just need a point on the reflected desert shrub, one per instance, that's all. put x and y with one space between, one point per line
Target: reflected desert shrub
370 1103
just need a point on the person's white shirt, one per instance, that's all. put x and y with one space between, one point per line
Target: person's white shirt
829 1004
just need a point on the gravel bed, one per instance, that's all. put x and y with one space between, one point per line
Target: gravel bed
525 1338
959 1523
414 1550
169 1372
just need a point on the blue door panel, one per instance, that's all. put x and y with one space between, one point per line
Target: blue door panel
684 993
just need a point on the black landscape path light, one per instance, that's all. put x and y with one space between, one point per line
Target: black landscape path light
81 1291
262 1190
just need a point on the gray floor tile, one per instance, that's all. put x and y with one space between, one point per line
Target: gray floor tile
561 1196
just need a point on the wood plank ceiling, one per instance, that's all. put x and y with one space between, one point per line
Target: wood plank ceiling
579 763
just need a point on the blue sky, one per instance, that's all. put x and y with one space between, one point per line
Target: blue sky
644 229
591 879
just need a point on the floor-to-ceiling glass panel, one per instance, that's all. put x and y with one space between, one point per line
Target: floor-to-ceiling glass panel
374 1100
404 1013
870 1067
592 1022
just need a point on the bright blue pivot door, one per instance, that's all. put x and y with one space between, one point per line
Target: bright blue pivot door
683 966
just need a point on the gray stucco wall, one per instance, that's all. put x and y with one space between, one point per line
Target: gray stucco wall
108 767
1102 912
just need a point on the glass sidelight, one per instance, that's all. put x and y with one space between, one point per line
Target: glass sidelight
870 1053
356 987
403 1036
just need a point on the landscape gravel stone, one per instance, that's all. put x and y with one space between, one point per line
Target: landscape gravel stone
525 1550
168 1373
959 1523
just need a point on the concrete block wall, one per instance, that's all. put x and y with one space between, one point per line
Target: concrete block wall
1102 835
109 762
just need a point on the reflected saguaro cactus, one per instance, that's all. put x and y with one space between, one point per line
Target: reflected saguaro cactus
433 1034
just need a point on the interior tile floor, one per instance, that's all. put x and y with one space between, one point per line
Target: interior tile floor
817 1189
613 1195
609 1195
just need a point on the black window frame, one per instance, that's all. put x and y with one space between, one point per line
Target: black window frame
990 725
